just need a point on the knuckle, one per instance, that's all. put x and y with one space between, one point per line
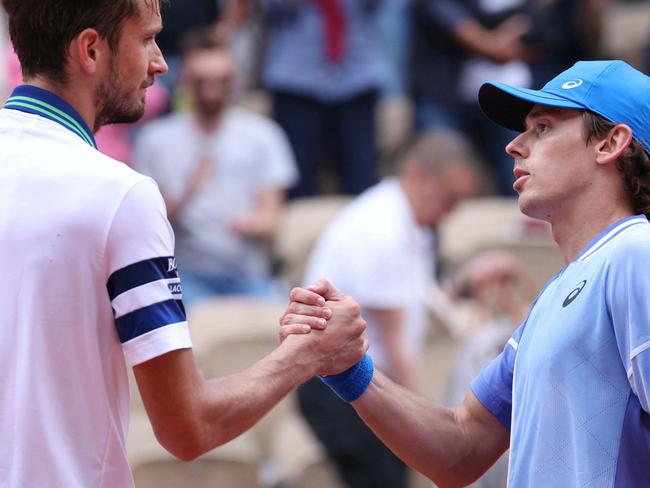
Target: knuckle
294 308
294 293
363 325
287 320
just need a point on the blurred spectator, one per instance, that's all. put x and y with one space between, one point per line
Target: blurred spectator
324 67
563 32
223 172
458 44
393 24
499 292
181 17
381 250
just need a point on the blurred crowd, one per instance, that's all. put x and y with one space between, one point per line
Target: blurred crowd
269 102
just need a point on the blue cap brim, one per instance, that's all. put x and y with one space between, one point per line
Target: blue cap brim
508 106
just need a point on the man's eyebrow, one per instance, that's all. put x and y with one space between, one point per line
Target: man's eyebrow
536 113
155 30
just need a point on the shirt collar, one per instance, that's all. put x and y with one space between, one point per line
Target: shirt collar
608 234
37 101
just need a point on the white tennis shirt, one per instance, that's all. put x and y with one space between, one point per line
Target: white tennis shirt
89 278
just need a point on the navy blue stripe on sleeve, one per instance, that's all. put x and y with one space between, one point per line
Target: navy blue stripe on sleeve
149 318
137 274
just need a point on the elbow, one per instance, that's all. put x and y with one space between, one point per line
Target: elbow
184 453
185 443
191 441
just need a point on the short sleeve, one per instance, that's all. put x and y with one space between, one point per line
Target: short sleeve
493 386
143 284
628 284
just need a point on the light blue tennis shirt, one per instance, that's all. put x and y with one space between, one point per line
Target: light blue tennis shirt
572 384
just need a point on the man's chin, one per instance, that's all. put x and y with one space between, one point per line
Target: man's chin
120 117
532 209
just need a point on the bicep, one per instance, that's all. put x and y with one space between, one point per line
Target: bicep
171 387
485 435
168 384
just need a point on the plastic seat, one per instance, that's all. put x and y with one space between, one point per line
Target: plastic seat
303 222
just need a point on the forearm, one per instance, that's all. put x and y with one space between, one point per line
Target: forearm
234 403
191 415
472 36
434 440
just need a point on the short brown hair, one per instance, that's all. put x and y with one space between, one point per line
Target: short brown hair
41 30
201 39
634 163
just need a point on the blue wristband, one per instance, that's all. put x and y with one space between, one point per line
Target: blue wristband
351 383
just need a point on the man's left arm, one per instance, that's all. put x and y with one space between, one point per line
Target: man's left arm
627 290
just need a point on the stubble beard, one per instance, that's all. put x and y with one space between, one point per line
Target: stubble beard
115 105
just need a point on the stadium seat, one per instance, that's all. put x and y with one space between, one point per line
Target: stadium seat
303 221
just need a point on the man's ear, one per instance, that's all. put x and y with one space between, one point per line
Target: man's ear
610 148
87 50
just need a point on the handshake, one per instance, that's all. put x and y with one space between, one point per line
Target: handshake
323 331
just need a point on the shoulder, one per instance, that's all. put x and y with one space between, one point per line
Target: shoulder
253 122
624 261
372 220
632 244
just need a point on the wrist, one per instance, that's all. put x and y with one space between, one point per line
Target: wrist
353 382
297 350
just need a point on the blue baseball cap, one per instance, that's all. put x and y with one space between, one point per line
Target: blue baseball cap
612 89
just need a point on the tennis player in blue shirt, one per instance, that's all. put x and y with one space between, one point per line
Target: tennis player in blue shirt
570 393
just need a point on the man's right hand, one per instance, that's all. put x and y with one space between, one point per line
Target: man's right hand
327 325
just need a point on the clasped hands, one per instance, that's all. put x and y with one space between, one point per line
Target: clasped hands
327 325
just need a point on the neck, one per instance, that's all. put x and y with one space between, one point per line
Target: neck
208 123
573 232
79 99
